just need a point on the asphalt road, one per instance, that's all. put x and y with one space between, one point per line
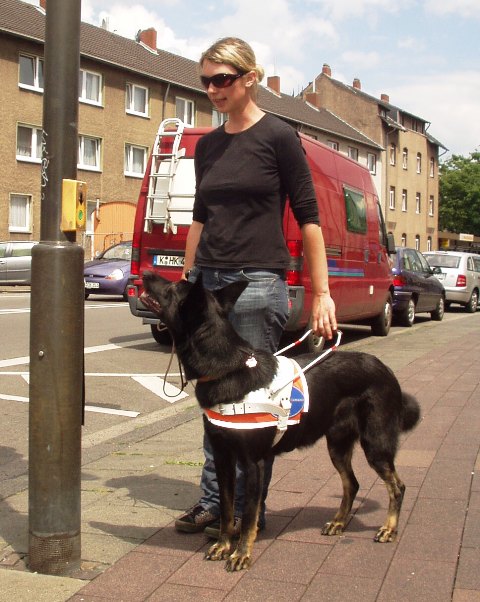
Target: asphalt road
124 372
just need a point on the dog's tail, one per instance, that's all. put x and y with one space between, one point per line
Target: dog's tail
411 411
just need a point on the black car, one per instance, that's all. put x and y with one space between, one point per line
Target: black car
416 287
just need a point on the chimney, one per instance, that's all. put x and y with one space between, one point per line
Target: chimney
326 70
273 82
357 84
43 4
148 37
313 98
385 98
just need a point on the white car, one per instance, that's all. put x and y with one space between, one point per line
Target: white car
460 276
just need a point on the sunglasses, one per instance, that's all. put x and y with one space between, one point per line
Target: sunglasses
221 80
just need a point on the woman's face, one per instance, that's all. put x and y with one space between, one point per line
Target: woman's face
231 98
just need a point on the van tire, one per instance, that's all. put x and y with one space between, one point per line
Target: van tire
471 306
162 337
315 344
381 324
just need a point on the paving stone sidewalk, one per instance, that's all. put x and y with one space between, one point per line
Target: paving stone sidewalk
131 496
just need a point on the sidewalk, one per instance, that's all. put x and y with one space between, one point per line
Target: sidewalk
131 495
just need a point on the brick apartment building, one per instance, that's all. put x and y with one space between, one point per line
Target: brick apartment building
409 171
126 88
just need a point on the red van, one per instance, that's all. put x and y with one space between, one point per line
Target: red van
357 244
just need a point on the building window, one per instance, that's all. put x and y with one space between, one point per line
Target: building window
429 243
135 160
353 153
405 158
31 73
404 240
391 203
404 200
29 143
432 167
417 242
372 163
218 118
431 206
89 153
90 87
393 154
137 100
418 203
185 110
419 162
332 144
20 214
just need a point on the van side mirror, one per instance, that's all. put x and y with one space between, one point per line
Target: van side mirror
391 244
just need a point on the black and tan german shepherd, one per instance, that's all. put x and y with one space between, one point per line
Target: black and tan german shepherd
353 397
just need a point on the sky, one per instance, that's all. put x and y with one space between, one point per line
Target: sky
425 54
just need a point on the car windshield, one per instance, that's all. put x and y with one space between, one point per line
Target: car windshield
121 251
443 261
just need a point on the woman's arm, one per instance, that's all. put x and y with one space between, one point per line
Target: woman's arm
324 322
193 237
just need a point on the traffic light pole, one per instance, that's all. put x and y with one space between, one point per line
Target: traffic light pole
57 316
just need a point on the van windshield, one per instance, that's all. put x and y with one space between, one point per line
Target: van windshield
443 261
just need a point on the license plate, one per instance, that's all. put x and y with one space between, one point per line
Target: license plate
92 285
172 261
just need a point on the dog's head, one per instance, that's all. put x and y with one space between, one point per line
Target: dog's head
184 307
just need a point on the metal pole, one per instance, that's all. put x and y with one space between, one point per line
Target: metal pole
57 316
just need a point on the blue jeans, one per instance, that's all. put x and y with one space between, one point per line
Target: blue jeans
259 316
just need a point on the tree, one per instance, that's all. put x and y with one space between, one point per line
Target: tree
459 190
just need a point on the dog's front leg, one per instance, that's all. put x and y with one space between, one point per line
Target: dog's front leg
241 557
225 462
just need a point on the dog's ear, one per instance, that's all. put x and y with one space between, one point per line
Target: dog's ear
228 295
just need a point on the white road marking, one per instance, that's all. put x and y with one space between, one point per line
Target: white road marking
26 310
160 387
88 408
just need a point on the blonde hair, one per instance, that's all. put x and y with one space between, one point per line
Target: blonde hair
234 52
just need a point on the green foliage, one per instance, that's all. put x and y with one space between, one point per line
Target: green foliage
459 207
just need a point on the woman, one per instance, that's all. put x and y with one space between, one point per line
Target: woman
244 170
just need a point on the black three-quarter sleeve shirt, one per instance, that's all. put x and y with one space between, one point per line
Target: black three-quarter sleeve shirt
242 183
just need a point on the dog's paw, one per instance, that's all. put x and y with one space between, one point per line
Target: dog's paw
219 551
385 535
333 528
238 562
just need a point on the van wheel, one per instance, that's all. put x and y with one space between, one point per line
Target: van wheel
162 336
381 324
438 313
471 306
407 316
315 343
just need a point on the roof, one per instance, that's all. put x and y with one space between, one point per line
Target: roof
24 20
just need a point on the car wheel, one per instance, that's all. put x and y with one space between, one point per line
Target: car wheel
381 324
162 336
471 306
407 316
438 313
315 343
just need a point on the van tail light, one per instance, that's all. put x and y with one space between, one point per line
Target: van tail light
461 280
135 262
399 280
294 272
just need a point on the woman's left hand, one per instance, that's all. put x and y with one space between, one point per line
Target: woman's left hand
324 322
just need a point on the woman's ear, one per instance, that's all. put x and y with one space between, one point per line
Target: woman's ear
250 78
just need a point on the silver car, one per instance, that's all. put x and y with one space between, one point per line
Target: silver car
16 262
460 276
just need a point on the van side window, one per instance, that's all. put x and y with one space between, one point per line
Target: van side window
356 211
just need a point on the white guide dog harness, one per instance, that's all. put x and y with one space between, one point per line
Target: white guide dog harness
280 404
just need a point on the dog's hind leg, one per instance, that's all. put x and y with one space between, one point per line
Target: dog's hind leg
396 491
341 456
241 557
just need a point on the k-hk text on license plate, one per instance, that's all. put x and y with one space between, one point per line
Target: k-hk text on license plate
169 260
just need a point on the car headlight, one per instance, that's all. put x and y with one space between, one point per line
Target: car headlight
115 275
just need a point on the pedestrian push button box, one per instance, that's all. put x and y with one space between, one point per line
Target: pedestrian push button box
74 205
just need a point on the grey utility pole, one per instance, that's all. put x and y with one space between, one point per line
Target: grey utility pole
57 314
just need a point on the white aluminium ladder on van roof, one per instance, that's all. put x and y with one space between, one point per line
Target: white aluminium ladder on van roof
171 186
